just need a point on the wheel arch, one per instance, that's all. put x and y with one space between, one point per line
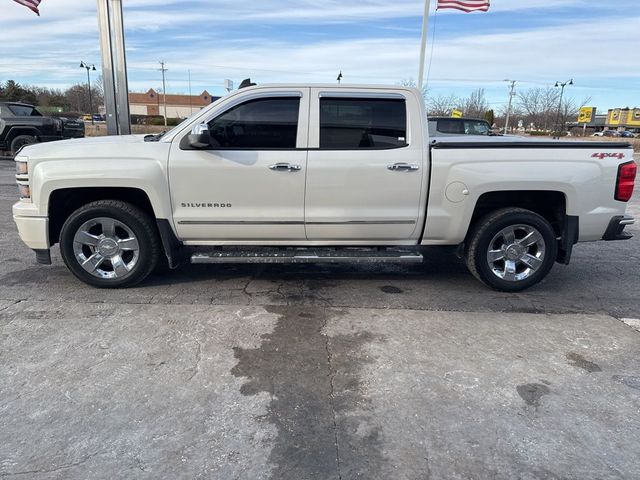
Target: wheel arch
63 202
549 204
14 132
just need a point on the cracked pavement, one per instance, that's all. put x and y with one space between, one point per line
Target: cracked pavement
319 372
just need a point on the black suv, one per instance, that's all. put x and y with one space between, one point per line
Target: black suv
22 124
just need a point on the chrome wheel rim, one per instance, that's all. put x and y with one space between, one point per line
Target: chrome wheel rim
516 252
106 248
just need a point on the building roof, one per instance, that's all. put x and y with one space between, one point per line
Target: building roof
151 97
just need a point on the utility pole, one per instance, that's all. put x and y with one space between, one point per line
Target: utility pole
190 100
89 67
164 91
512 93
561 127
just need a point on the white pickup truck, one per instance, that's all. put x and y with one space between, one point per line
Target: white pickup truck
320 173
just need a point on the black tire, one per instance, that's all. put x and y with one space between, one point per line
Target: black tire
485 231
136 220
20 141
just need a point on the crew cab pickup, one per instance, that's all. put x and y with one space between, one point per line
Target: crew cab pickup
320 173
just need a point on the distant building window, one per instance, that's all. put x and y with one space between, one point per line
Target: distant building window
206 98
151 95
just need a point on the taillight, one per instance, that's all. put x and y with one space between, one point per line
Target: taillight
626 180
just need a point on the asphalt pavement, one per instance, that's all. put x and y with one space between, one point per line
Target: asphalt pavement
320 372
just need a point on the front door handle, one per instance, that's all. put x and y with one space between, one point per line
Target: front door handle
285 167
403 167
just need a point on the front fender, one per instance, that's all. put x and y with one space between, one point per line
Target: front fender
146 175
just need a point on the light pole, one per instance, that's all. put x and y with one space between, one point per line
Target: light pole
89 67
561 86
512 93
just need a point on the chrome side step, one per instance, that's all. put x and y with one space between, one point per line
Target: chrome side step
307 255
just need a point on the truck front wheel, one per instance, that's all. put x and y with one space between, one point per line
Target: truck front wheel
110 244
21 141
511 249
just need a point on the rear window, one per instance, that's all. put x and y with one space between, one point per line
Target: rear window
362 123
24 111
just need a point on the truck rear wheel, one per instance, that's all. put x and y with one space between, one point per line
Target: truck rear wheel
20 141
511 249
110 244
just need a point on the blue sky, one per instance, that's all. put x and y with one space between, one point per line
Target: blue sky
372 41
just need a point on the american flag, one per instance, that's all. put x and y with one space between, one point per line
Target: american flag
465 5
30 4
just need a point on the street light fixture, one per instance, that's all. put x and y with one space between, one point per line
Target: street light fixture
89 68
562 86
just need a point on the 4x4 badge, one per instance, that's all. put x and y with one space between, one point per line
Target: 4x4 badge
602 156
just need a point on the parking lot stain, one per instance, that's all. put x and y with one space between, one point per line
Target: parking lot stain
577 360
391 289
531 393
628 380
317 404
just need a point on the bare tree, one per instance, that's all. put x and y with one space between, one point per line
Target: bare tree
475 105
410 82
442 105
539 106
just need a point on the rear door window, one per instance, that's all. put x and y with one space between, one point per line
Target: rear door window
362 123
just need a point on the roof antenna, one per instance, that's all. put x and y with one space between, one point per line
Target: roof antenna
339 77
246 83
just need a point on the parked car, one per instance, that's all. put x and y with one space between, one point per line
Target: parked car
447 126
299 174
22 124
611 133
626 134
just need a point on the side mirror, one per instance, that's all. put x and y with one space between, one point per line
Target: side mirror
200 136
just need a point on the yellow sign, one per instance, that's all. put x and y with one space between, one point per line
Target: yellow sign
456 114
586 114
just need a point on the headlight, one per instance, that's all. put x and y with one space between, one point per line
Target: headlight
22 167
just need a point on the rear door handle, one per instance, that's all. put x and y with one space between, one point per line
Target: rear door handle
403 167
285 167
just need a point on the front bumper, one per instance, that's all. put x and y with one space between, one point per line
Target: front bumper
615 230
33 229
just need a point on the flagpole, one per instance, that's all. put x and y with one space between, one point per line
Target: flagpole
423 45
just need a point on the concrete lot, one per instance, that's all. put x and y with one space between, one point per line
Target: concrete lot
307 372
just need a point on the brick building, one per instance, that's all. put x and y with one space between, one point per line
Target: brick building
178 106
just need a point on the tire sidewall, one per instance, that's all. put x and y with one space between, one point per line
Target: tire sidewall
77 219
521 218
30 140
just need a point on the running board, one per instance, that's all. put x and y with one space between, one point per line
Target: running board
307 255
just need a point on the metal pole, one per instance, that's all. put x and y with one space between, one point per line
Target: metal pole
108 77
559 133
122 84
511 94
164 92
90 99
423 44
